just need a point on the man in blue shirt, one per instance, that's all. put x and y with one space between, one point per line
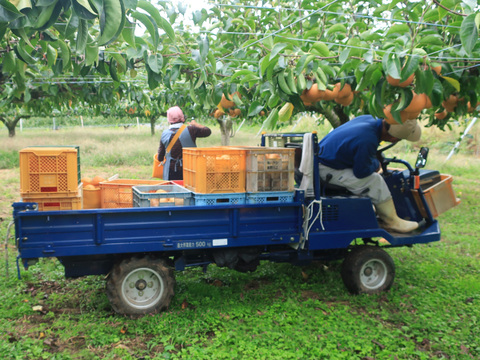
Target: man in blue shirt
349 155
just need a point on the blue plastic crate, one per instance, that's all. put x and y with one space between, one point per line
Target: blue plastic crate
170 195
269 197
219 199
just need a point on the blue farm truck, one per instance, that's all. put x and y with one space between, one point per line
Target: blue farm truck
139 248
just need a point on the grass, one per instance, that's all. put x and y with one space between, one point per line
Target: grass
277 312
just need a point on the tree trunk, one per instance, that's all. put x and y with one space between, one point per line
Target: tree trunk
11 124
335 116
225 129
152 125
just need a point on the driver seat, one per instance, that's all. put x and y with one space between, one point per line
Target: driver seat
333 189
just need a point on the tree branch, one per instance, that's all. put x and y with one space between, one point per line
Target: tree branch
449 10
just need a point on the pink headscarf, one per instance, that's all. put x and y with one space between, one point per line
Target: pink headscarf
175 115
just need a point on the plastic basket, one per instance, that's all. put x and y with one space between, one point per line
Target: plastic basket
49 170
92 198
269 169
56 203
219 199
270 197
66 146
118 193
440 197
161 195
214 170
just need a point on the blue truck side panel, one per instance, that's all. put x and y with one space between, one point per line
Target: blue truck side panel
117 231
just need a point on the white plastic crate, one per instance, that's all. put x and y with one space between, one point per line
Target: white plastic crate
269 197
219 199
269 169
161 195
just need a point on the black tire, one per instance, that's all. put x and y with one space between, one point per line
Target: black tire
368 270
139 286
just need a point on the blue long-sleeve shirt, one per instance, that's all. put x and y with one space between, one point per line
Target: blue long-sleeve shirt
353 145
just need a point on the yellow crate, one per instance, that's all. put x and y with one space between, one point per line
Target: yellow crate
118 193
48 170
440 197
269 169
56 203
214 170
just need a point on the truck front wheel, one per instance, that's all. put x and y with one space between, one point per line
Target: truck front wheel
139 286
368 270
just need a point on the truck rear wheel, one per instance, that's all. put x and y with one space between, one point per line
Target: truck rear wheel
139 286
368 270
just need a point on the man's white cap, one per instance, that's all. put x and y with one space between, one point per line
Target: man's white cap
409 130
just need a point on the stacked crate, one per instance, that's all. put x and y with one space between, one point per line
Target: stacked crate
216 175
269 175
50 177
238 175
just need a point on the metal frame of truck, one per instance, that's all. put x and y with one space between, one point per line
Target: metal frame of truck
140 247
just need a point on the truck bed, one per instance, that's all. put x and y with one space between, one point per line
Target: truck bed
92 233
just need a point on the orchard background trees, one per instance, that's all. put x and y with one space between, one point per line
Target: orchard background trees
399 60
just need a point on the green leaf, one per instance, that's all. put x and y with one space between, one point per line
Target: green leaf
203 47
242 73
82 37
8 63
113 70
23 5
337 28
455 83
155 62
255 108
321 49
272 119
160 21
151 27
277 49
64 52
8 12
437 93
91 54
469 32
430 40
83 9
23 54
128 33
410 67
52 55
398 29
111 18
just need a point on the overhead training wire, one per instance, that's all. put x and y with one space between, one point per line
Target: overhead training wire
280 30
338 13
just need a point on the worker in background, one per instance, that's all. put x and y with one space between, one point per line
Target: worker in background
173 167
349 154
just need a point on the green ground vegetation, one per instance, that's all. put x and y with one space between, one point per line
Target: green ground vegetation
279 311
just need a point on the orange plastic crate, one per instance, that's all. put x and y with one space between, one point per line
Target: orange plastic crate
56 203
440 197
92 198
214 169
118 193
48 170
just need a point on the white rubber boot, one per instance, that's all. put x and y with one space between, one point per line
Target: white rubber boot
387 213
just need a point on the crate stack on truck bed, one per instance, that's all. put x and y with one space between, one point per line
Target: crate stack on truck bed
50 176
226 175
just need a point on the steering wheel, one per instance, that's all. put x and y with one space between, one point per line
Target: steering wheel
381 157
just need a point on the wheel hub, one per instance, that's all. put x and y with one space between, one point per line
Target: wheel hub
142 288
373 274
141 284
